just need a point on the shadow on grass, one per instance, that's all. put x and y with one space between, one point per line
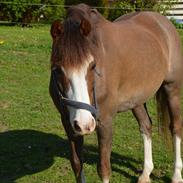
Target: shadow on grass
25 152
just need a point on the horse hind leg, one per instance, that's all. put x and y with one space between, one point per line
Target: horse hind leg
173 92
145 125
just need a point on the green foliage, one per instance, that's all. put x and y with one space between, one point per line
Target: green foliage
126 6
145 4
163 6
89 2
121 8
177 24
23 11
117 8
100 3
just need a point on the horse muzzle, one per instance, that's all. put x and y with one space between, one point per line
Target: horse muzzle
83 123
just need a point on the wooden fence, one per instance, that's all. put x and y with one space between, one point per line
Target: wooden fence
176 11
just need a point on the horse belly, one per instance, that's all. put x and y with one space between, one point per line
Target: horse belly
141 73
130 97
132 102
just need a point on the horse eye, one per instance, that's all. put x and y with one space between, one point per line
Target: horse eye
93 66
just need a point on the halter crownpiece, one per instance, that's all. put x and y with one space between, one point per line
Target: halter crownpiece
63 101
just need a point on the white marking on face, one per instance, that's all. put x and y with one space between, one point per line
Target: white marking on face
78 91
177 177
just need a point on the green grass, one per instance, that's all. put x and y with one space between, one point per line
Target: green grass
33 145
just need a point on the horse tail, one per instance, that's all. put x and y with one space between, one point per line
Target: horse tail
163 115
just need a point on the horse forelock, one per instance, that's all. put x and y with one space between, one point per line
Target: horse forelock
73 48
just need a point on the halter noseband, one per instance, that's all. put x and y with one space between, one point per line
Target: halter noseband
63 101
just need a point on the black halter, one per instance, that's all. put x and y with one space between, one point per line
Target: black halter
63 101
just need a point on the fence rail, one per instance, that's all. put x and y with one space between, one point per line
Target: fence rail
176 11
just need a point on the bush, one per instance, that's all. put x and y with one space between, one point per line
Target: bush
99 3
23 11
126 6
178 25
120 8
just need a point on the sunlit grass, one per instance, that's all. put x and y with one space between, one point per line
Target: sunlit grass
33 145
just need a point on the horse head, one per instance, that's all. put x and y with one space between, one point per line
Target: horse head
74 57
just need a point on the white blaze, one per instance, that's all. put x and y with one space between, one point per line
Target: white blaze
78 91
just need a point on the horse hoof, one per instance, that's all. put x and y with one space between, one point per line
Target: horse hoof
144 179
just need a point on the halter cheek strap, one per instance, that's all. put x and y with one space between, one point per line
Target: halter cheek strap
63 101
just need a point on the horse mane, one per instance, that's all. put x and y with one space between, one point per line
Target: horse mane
73 48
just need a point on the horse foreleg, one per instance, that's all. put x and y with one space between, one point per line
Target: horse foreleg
76 151
144 121
173 94
104 132
177 176
76 159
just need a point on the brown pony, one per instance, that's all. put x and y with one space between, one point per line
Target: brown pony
115 66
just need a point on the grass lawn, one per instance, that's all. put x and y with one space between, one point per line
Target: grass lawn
33 145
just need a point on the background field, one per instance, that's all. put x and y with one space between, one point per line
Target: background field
33 146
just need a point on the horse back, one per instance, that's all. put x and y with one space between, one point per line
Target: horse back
166 35
144 49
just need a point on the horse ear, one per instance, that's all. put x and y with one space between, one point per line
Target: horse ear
85 27
56 29
94 15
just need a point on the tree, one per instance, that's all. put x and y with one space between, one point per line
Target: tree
99 3
31 11
126 6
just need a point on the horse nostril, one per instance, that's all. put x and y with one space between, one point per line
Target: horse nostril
76 126
93 125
